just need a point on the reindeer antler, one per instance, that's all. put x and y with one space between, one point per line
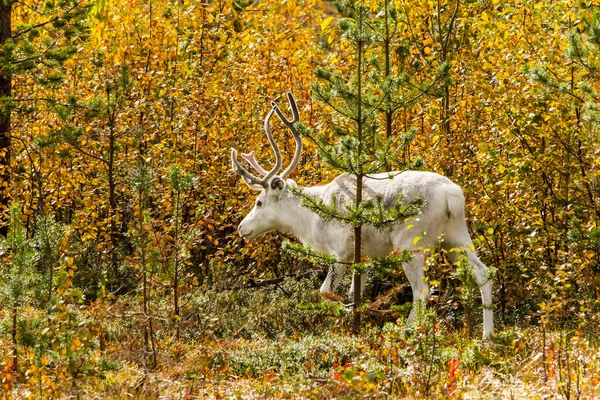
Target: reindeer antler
251 180
253 163
290 126
249 157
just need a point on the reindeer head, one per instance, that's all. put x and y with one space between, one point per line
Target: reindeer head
265 215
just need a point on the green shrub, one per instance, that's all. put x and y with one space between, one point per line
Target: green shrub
289 308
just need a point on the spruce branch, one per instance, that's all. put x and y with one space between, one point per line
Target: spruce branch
328 212
298 250
389 265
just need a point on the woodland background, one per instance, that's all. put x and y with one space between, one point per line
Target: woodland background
122 269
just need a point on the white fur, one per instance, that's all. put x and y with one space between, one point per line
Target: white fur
442 217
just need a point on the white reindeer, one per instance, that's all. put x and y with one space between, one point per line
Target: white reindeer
442 217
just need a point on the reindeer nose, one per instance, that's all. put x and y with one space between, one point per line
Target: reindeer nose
243 231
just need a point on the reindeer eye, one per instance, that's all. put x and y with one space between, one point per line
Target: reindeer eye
259 203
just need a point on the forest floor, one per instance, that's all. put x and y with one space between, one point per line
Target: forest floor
267 343
515 364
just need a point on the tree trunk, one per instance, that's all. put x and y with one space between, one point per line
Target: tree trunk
5 95
389 112
359 178
13 334
176 269
112 194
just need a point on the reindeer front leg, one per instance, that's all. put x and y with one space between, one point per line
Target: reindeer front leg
335 276
333 279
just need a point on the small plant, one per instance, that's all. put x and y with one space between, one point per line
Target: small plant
180 183
142 179
19 280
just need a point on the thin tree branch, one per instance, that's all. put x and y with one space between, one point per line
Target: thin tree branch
51 20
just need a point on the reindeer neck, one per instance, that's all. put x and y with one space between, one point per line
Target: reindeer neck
296 219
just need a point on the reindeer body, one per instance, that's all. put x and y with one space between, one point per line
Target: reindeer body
439 193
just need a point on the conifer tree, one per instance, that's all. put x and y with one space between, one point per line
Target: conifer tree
19 277
363 145
48 237
142 180
180 182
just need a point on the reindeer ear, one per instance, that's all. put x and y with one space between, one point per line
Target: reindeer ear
277 183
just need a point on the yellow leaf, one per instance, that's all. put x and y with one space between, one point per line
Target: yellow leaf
326 22
416 239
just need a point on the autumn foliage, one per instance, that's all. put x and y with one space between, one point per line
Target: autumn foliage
122 267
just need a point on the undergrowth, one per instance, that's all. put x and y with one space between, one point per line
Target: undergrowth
286 342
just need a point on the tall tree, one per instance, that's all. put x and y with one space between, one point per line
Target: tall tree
5 95
40 49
